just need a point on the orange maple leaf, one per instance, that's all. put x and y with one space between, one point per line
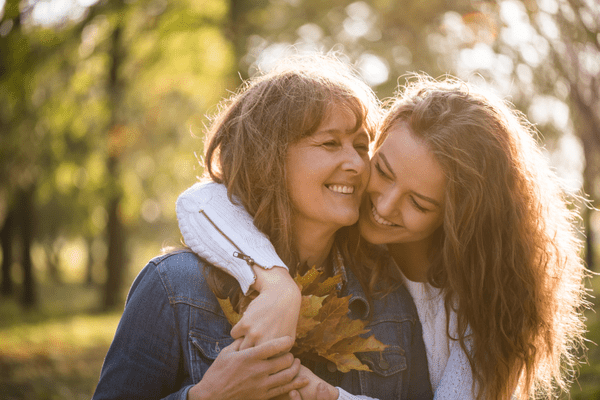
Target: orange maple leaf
324 327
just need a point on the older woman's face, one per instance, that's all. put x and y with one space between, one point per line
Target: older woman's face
328 172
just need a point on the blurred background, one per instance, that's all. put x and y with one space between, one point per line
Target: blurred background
102 113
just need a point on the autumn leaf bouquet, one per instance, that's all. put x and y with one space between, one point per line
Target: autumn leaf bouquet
324 328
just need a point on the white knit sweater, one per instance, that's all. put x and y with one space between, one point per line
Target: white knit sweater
229 229
449 369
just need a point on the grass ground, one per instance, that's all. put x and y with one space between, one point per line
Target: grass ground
56 352
587 386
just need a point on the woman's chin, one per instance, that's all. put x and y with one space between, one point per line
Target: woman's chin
350 220
369 233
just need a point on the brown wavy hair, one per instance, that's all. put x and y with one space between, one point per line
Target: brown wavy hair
507 255
248 139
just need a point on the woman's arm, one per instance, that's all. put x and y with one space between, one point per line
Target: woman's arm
224 234
145 359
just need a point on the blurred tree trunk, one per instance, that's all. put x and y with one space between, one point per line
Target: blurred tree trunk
115 260
6 236
52 260
116 238
237 32
21 173
89 270
588 128
27 233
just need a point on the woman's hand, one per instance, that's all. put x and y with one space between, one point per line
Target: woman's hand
273 313
258 373
317 388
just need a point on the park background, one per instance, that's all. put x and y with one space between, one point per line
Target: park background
102 112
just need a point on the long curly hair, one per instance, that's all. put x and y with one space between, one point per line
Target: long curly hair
507 255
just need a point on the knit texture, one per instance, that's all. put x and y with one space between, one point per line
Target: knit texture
216 229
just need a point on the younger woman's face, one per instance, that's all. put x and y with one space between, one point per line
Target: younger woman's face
404 201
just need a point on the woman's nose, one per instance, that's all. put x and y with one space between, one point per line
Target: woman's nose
354 161
388 203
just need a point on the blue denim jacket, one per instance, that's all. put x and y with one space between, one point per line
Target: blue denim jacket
173 328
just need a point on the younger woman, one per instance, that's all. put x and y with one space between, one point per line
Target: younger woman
477 224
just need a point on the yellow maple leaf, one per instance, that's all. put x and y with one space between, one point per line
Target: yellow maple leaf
309 277
346 362
304 326
229 312
324 327
311 305
358 344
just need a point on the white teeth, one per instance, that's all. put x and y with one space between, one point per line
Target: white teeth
341 189
380 219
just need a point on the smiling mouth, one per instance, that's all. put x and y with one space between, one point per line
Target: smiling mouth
379 219
341 189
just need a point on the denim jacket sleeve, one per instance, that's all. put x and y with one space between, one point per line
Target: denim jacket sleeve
143 361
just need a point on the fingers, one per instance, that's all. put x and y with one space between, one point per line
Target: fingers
295 395
246 343
254 338
287 380
282 373
235 346
322 392
326 392
271 348
240 329
280 363
243 330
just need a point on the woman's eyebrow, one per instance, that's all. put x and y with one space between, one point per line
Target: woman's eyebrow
352 131
428 199
387 164
419 195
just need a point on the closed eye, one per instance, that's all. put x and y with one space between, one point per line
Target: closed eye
363 148
329 144
418 206
380 171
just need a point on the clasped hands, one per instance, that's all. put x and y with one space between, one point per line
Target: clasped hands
264 337
267 371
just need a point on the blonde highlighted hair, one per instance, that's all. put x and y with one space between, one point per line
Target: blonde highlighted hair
508 252
247 143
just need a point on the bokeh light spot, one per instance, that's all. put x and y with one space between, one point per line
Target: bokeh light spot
373 69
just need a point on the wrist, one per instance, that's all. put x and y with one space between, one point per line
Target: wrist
199 392
276 278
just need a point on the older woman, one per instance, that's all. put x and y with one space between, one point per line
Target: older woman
292 148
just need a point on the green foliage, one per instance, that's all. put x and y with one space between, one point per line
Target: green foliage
61 120
65 112
587 385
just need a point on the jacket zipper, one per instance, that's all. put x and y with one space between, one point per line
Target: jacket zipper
237 254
